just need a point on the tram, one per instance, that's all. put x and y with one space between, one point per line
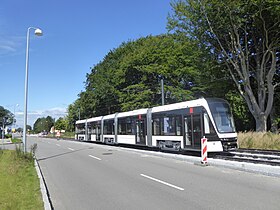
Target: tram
178 126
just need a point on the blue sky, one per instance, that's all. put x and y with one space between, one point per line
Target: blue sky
77 35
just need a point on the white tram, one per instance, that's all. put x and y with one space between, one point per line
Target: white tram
178 126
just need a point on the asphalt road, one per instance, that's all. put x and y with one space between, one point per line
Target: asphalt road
89 176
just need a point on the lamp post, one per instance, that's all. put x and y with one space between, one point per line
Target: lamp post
14 120
162 89
79 113
38 32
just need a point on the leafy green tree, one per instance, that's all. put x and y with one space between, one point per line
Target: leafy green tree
244 121
49 123
28 127
244 37
129 76
6 116
74 114
60 124
43 124
149 59
19 130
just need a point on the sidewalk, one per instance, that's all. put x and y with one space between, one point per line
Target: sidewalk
5 141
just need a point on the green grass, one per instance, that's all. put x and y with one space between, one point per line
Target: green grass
16 140
64 135
19 183
68 135
259 140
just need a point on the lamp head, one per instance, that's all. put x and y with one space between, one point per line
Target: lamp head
38 32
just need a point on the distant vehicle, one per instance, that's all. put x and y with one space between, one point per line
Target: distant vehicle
43 133
178 126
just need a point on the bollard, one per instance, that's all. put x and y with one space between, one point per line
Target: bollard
204 151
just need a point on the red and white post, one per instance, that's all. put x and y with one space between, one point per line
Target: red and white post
204 150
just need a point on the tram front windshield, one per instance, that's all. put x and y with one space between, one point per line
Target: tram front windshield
222 116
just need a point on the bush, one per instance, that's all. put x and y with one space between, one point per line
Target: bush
8 136
29 156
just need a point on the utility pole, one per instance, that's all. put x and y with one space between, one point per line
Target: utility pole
162 91
3 128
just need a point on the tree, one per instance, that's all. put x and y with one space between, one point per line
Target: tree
19 130
147 60
129 76
243 36
6 116
60 124
49 123
43 124
74 114
28 127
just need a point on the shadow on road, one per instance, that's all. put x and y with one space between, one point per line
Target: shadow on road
62 154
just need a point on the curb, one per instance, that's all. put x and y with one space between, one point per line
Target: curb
262 169
43 187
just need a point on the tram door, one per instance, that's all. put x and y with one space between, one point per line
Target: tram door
89 132
140 132
98 132
192 130
188 130
197 129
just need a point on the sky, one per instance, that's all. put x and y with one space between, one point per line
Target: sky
77 34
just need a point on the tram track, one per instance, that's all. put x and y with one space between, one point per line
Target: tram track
266 157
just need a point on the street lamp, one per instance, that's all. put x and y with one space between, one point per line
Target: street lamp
38 32
14 120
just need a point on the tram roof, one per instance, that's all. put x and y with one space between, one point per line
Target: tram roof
180 105
133 113
94 119
81 121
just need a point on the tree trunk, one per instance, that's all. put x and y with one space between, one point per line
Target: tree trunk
274 128
261 122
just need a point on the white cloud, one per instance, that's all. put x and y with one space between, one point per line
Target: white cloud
32 116
10 45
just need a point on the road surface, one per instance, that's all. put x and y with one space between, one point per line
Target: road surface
90 176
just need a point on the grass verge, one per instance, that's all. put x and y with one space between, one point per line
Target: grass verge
259 140
19 182
68 135
16 140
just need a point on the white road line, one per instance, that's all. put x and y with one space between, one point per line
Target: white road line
162 182
70 148
58 145
95 157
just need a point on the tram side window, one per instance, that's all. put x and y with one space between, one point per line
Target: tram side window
122 127
179 127
89 129
109 127
208 126
81 129
93 127
167 126
156 126
126 126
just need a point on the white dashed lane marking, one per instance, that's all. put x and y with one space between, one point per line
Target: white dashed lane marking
162 182
95 157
